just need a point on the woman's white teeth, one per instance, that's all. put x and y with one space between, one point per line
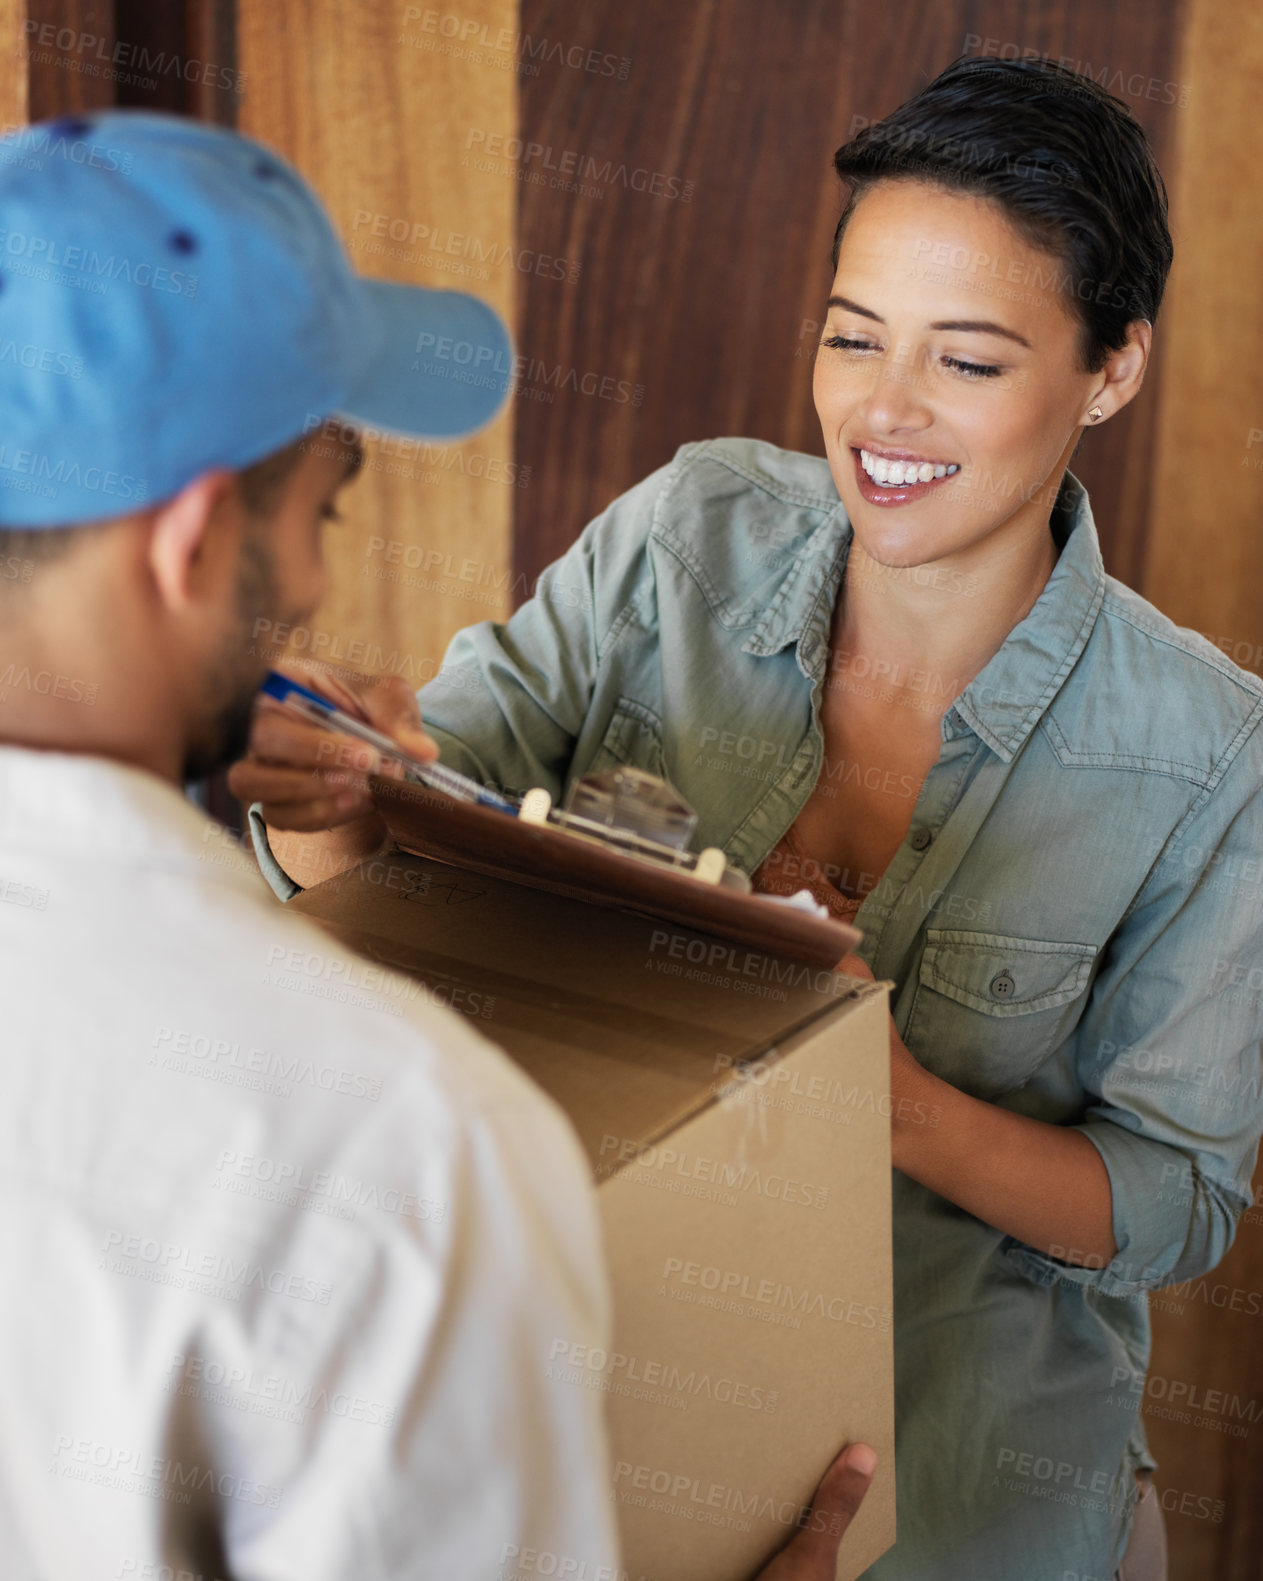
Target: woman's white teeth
883 471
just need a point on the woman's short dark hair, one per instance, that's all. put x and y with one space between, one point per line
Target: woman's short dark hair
1067 162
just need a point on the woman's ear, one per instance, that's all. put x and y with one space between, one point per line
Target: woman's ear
183 554
1123 374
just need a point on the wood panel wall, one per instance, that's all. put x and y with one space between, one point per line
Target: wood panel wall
14 81
378 114
62 78
1205 552
147 54
1204 568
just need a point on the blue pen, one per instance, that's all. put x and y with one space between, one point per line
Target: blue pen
319 710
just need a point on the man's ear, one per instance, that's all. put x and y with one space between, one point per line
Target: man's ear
178 544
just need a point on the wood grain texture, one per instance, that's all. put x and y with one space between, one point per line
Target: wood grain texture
176 57
1205 560
210 30
65 70
76 55
376 121
1205 569
709 304
14 96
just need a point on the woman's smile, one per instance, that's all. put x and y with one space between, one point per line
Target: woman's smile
895 477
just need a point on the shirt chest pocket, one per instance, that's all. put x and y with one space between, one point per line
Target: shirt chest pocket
989 1008
634 738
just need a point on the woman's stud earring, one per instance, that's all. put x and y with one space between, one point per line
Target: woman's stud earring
1096 414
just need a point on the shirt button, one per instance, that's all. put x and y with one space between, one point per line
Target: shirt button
920 839
1002 986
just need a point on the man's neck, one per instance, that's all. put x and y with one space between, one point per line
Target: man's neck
77 696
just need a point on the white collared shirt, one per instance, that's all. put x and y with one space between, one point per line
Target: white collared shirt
287 1251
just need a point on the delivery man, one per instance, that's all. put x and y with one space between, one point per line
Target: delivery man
286 1252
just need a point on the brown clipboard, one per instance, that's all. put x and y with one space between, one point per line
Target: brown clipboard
484 840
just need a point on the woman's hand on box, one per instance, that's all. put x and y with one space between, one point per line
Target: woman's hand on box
813 1554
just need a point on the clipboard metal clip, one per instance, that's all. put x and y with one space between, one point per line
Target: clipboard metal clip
637 814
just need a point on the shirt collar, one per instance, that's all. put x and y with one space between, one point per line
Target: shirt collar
1003 703
808 590
1006 700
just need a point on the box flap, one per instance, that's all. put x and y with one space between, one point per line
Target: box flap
618 1016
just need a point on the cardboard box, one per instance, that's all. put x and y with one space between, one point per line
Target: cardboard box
735 1109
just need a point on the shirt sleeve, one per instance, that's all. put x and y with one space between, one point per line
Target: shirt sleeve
1169 1050
283 886
510 700
443 1432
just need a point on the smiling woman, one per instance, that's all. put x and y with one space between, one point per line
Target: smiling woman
947 436
1018 776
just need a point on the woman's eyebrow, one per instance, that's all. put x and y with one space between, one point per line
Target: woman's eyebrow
864 312
976 326
982 326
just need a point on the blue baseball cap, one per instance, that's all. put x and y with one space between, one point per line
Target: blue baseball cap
173 298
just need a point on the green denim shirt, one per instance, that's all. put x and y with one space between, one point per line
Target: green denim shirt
1074 925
